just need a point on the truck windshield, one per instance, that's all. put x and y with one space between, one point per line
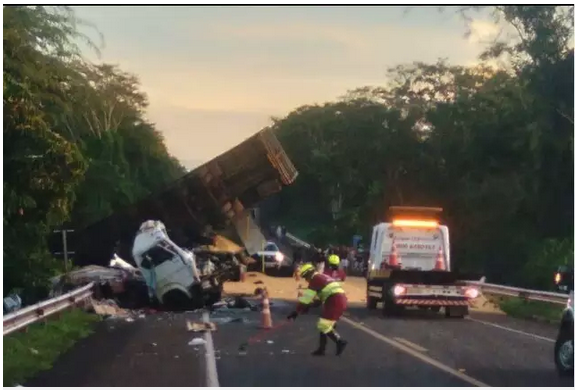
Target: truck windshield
157 256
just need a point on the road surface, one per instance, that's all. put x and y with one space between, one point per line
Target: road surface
415 349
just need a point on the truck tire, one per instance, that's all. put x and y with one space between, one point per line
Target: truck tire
371 303
391 309
563 347
455 311
177 300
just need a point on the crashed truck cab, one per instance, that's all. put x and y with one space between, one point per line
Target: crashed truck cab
170 272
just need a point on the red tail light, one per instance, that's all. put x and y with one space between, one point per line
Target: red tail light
399 290
471 292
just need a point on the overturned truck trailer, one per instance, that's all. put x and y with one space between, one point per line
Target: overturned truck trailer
211 196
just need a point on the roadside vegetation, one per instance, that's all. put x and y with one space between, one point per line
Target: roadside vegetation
26 354
528 310
491 143
77 144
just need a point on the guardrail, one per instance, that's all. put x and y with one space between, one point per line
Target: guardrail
31 314
531 295
497 289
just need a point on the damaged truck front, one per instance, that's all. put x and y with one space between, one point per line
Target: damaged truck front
171 273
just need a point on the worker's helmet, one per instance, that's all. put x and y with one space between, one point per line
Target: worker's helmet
334 260
306 270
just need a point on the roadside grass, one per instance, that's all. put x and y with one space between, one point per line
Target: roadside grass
519 308
26 354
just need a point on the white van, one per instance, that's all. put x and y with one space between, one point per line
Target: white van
170 271
417 246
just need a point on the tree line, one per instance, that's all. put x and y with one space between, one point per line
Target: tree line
492 145
76 142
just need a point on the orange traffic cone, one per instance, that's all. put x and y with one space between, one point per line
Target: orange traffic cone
439 265
393 259
266 322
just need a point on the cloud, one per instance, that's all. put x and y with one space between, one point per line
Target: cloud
483 31
196 136
214 77
303 33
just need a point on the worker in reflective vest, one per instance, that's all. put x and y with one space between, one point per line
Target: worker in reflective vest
333 299
332 267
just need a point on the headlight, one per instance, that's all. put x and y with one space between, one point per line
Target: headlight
279 256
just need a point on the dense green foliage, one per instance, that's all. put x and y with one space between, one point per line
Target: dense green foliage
76 143
492 146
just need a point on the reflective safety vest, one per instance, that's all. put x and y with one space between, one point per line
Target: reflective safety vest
322 286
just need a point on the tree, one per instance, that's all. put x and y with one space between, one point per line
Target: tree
492 146
76 145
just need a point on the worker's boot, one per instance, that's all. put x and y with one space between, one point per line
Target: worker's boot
340 344
321 351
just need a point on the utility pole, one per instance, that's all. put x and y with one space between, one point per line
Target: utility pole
64 247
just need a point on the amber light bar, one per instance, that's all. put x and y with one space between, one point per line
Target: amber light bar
415 223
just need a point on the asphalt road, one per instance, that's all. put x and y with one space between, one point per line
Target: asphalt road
415 349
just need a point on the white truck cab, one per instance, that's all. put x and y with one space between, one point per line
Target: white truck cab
169 270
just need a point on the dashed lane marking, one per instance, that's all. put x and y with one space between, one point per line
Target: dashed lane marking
411 344
416 354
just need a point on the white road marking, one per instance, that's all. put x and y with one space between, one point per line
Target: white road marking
513 330
418 355
411 344
210 362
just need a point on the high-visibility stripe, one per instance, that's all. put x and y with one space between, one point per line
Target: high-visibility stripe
374 294
431 302
307 297
375 288
330 289
325 325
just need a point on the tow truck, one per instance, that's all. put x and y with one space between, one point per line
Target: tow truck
409 265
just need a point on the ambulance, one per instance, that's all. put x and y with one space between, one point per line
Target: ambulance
409 265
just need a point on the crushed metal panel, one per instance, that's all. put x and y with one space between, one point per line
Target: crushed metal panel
246 174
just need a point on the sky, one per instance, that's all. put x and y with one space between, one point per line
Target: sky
216 75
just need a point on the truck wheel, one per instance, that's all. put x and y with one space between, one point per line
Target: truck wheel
455 311
564 354
391 309
177 300
371 303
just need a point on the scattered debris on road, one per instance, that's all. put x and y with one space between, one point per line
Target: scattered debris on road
197 341
201 326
